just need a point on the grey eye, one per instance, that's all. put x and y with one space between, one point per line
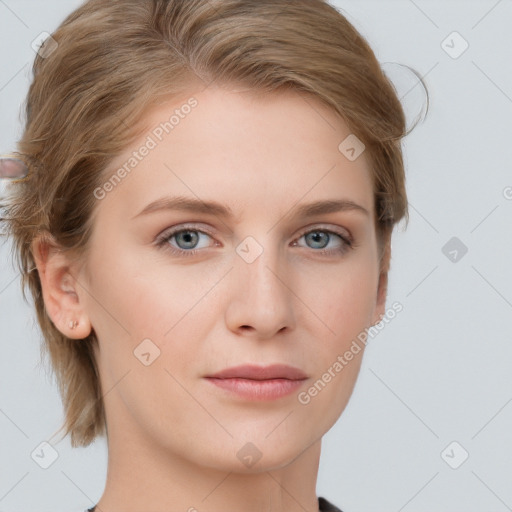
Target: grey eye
321 237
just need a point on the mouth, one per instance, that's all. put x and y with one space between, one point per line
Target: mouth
251 382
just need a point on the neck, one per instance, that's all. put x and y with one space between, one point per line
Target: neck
151 478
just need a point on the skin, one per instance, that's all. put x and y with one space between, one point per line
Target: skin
173 437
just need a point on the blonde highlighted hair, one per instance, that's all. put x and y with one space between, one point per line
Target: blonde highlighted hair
116 59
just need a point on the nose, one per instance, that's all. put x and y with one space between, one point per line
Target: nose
260 297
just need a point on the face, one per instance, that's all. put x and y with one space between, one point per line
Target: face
180 293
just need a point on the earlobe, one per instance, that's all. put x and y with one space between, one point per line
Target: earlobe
59 289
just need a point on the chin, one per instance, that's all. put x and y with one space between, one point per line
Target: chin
263 452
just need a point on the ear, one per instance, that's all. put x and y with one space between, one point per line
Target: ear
59 287
382 289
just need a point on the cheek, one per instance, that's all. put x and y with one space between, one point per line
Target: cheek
133 302
345 305
343 297
137 298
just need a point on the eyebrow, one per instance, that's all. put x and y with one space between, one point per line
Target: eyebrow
189 204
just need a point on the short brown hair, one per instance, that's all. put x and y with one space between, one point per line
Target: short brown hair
113 61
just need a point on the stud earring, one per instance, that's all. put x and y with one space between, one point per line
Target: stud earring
73 324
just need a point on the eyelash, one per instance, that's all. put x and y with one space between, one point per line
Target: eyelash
162 241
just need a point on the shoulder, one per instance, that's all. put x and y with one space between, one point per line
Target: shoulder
327 506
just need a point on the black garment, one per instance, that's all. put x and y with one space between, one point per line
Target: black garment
324 505
327 506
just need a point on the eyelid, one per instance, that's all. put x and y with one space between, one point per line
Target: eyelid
337 230
188 226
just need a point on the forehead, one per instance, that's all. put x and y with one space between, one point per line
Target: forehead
246 147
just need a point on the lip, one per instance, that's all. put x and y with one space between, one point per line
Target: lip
259 382
250 371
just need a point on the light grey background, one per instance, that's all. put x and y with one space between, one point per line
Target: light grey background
438 373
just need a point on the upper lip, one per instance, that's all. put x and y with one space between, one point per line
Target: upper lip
249 371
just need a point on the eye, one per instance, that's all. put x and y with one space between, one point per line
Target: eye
186 239
321 238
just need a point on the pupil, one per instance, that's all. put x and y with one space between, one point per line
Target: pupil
187 237
317 236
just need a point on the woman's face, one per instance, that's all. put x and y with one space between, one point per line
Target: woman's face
179 293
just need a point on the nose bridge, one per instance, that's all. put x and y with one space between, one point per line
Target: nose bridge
260 299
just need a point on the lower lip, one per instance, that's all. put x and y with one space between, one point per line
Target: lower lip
248 389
